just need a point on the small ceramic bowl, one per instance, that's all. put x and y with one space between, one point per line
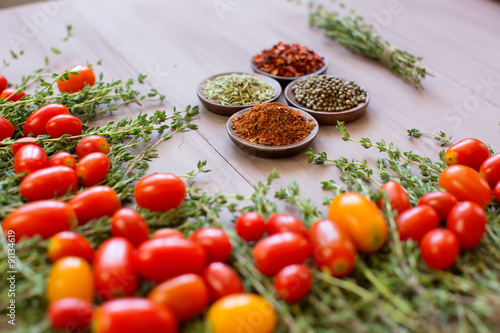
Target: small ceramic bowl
285 80
326 117
271 151
228 110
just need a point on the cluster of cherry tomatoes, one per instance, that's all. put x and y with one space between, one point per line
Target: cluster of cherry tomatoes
467 185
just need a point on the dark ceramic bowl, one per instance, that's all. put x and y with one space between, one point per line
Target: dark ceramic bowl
228 110
285 80
271 151
325 117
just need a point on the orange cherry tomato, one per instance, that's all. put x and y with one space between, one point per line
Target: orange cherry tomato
37 121
160 192
470 152
64 159
6 129
69 243
70 314
273 253
133 315
91 144
333 249
114 272
293 283
465 184
221 280
441 202
416 222
186 295
167 232
361 219
92 169
84 75
22 142
45 218
70 277
239 312
163 258
95 202
48 183
398 198
11 95
490 170
30 158
281 222
63 124
214 241
129 224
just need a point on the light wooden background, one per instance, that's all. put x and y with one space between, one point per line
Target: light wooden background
179 43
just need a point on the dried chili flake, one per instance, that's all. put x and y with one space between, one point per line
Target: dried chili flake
288 60
272 124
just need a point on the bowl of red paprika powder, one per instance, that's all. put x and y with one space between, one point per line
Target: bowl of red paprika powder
272 130
286 62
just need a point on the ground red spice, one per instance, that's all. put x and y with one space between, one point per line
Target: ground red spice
272 124
289 60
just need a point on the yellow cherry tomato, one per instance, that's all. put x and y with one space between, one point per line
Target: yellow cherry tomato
70 277
242 313
361 219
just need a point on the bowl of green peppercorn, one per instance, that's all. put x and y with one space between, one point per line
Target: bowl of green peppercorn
228 93
328 99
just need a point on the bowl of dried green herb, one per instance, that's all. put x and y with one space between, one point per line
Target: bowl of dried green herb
328 99
272 130
228 93
286 62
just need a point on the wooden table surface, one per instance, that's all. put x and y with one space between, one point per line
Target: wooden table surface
179 43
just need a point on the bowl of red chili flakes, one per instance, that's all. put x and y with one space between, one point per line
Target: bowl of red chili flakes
272 130
286 62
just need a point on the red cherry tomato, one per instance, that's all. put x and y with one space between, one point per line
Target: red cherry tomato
439 248
22 142
45 218
70 314
63 159
333 248
441 202
416 222
91 144
215 241
132 315
398 198
11 95
186 295
30 158
92 169
69 243
496 191
95 202
470 152
465 184
114 272
221 280
48 183
163 258
468 221
292 283
37 121
3 83
6 129
63 124
129 224
273 253
74 83
160 192
281 222
490 170
167 232
250 226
